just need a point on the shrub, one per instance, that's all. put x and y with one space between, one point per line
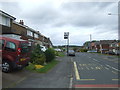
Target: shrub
37 56
50 54
83 50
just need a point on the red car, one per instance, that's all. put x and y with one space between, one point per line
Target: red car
14 53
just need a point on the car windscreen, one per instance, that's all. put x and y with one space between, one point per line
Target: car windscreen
25 47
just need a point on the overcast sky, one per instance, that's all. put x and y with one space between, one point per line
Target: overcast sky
54 17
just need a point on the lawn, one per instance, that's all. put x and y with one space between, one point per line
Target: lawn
44 69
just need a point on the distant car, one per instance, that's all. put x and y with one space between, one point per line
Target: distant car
110 53
92 51
43 48
57 49
71 53
15 53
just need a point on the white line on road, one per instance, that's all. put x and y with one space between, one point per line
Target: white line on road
71 80
106 68
76 71
89 57
112 67
96 60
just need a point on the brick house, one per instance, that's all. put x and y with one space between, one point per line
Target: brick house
15 29
5 22
115 47
105 45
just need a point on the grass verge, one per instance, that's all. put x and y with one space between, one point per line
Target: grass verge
60 54
44 69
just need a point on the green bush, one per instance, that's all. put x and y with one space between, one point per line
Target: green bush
38 56
83 50
50 54
56 53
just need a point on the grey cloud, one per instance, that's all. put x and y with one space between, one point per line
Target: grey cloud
42 15
12 8
77 16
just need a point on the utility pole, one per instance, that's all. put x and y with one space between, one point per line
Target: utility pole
90 37
119 20
90 41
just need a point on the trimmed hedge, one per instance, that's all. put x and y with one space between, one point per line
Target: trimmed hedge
38 56
50 54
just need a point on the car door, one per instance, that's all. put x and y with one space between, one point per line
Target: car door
9 52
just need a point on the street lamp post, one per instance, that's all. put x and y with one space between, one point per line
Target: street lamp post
118 14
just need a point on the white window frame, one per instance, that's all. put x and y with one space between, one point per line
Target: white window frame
36 35
5 21
29 33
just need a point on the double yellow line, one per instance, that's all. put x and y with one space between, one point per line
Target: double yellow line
76 71
78 75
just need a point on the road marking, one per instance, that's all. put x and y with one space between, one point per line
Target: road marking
91 67
114 72
106 68
98 68
115 79
87 79
89 57
76 71
112 67
87 68
71 80
98 86
96 60
80 64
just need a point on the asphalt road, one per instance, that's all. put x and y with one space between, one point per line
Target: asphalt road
95 71
85 71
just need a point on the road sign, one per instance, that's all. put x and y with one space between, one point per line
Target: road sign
66 34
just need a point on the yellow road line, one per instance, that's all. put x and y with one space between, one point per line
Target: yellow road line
76 71
115 79
87 79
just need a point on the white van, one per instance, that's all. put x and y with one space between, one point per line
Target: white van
43 48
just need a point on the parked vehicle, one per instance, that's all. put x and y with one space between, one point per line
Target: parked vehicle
14 53
110 53
43 48
57 49
92 51
71 53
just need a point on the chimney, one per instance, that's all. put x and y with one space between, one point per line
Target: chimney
21 22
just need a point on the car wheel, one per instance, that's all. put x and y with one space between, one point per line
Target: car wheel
6 66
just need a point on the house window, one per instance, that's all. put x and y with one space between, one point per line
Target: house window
29 33
36 35
5 21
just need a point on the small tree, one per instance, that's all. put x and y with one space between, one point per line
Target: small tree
50 54
38 56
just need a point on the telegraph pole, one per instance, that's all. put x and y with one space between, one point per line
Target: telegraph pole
90 41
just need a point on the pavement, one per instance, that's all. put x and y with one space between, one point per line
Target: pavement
58 77
11 79
85 71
